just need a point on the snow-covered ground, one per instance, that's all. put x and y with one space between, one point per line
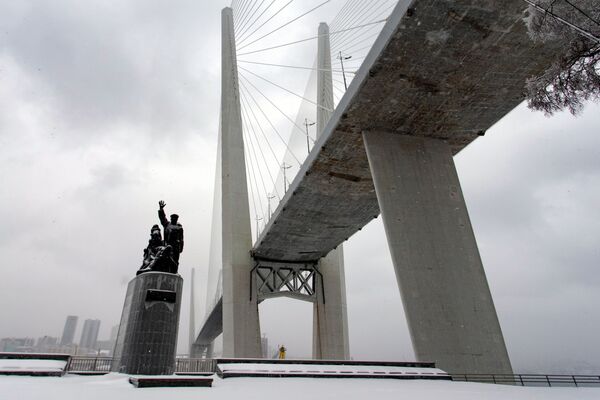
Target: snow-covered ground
31 365
326 369
117 387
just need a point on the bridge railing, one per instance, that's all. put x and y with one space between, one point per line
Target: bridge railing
532 379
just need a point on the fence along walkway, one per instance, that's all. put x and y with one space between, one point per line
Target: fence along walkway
532 379
90 365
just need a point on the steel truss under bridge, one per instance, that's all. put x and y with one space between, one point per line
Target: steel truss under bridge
286 279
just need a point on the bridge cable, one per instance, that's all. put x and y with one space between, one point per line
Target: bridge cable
342 13
279 109
357 9
300 129
257 164
358 13
291 66
360 19
254 22
287 90
241 11
284 25
267 118
235 8
248 107
353 40
375 14
251 13
244 104
249 180
255 181
351 45
352 50
239 19
264 23
309 38
343 21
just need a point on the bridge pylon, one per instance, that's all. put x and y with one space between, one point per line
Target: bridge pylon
330 316
241 328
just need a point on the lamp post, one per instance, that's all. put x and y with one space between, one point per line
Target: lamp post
307 124
284 167
342 58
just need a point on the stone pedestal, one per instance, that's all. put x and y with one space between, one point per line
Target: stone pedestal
147 339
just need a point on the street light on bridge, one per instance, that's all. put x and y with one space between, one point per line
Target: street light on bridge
342 58
307 124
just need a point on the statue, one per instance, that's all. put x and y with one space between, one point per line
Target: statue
158 256
173 231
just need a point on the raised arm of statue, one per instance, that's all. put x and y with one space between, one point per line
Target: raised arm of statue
161 214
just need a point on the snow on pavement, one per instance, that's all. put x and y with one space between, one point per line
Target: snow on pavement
17 364
115 386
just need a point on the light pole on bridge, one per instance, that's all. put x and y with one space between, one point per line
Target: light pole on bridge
258 219
269 197
307 124
284 167
342 58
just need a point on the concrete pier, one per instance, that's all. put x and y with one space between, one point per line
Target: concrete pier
330 313
147 339
241 330
448 305
330 318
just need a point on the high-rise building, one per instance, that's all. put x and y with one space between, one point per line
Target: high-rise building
89 335
69 330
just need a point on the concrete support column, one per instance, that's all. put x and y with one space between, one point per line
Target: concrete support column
330 315
241 330
448 304
330 318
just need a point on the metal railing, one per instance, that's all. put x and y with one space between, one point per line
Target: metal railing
532 379
89 364
102 365
195 365
99 365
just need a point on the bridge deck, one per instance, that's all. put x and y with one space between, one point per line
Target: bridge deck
441 69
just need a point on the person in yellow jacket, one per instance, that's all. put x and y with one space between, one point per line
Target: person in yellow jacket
282 350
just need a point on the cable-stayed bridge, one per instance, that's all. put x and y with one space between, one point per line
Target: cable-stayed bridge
400 88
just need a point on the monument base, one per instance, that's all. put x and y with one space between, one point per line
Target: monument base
147 339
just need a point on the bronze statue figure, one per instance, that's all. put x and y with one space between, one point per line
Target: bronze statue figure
163 255
173 231
158 256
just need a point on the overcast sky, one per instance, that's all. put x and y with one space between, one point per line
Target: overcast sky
107 107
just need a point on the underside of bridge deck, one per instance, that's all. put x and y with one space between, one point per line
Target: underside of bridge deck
440 69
